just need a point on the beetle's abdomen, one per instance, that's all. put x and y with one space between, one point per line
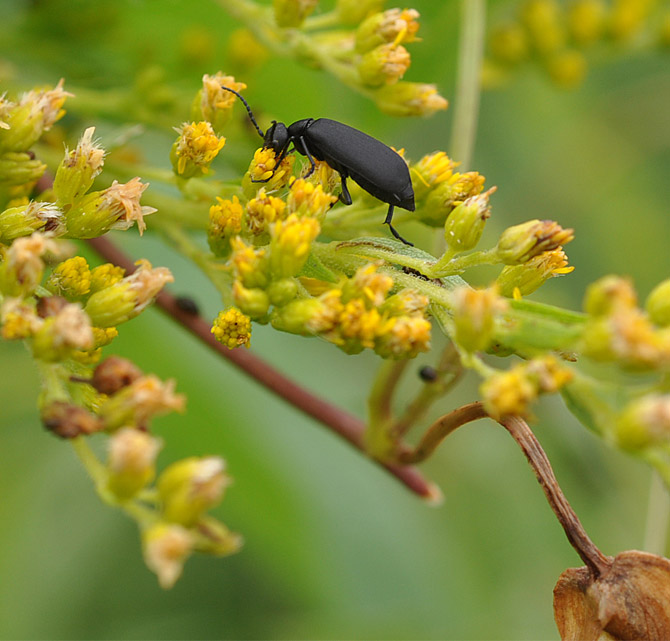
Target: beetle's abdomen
373 165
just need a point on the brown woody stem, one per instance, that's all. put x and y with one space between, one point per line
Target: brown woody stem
345 425
594 559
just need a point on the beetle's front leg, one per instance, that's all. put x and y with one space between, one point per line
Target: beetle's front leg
282 155
305 152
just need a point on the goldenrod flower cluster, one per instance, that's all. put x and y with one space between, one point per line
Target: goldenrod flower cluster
560 36
367 42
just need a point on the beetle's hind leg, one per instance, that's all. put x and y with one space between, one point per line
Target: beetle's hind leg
388 220
345 196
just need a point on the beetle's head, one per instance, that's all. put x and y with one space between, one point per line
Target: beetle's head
276 137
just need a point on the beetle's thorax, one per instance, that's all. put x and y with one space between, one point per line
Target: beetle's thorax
299 127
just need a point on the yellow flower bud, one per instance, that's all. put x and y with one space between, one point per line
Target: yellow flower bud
367 285
507 393
307 199
431 171
166 546
384 65
586 21
131 463
393 26
543 20
195 149
225 221
75 174
71 278
567 68
292 13
508 43
232 328
626 17
105 275
409 99
291 244
657 304
520 243
18 319
190 487
251 264
262 211
474 316
404 337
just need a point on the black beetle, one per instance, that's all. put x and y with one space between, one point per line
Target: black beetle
353 154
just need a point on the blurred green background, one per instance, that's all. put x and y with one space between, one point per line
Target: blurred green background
335 548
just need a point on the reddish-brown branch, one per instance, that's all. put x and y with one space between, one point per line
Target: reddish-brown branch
594 559
346 425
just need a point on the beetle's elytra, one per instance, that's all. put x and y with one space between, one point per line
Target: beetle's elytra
353 154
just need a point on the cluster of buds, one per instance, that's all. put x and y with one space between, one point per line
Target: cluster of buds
361 313
369 42
558 36
619 331
510 392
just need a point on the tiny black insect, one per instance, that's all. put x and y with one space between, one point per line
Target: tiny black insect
353 154
187 304
428 374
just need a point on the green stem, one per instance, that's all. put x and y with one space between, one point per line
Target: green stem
466 107
658 517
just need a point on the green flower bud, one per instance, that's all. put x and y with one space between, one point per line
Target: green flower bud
609 294
19 168
644 423
131 463
474 315
282 291
465 224
190 487
355 11
520 243
292 13
254 302
384 65
295 317
75 175
23 220
392 26
658 304
215 538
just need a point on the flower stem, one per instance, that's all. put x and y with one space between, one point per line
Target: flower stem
466 107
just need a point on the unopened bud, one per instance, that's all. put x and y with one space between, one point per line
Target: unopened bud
465 224
20 168
520 243
384 65
69 421
393 26
657 304
609 294
166 546
131 463
113 374
292 13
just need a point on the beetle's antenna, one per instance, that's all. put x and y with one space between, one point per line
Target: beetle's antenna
246 104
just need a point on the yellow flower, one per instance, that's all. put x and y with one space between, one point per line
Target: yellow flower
404 337
586 20
22 269
507 393
521 280
368 285
263 211
291 244
357 327
225 220
105 275
250 264
307 199
393 26
263 168
474 314
195 149
71 278
19 319
430 171
232 328
213 103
